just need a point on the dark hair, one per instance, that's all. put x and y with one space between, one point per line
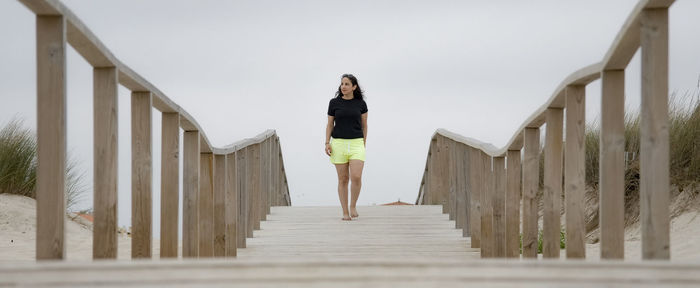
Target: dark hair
357 93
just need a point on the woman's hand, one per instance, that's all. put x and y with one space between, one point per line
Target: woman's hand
328 149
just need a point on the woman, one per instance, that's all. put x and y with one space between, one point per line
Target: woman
347 124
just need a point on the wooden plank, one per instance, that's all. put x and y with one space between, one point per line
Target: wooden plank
105 133
51 136
462 194
531 180
190 195
141 175
429 197
231 207
512 204
275 173
575 171
241 177
169 184
612 165
452 181
206 205
253 187
654 126
264 178
487 240
498 207
441 173
220 204
552 183
475 172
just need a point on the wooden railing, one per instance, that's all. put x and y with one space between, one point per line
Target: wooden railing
226 191
480 186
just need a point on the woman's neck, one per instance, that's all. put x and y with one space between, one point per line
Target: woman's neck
346 97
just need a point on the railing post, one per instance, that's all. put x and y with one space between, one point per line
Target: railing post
264 179
487 241
430 190
232 205
169 184
206 205
51 136
512 204
220 204
498 206
242 186
575 171
531 180
552 183
105 159
476 188
190 192
440 182
654 135
275 169
462 208
612 165
141 174
253 181
452 181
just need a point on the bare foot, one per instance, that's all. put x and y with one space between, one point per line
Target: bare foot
346 218
353 213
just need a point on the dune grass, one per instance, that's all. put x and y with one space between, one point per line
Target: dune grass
18 163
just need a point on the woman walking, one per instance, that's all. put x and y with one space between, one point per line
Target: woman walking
347 124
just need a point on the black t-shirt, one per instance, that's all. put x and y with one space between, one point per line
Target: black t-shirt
348 117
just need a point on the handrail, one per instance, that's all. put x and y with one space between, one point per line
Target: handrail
492 190
227 190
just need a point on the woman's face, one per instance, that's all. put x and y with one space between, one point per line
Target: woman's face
346 86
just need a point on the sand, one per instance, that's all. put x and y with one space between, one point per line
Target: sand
18 233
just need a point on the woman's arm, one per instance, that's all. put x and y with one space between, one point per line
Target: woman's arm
364 127
329 130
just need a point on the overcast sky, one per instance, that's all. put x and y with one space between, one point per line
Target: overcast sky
477 68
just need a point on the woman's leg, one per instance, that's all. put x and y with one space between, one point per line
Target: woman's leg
343 178
356 167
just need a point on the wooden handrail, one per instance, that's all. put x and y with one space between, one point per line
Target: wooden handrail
646 27
227 190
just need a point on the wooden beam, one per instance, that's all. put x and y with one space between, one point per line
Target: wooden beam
51 137
169 184
552 183
190 195
264 179
654 126
475 186
512 204
612 165
462 193
220 204
242 178
206 205
531 180
487 241
452 182
141 175
575 171
105 133
253 187
232 202
498 206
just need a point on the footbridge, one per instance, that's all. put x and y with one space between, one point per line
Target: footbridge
475 206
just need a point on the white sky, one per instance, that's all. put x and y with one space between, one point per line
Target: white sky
477 68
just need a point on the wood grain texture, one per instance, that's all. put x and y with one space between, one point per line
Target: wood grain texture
430 194
531 180
190 194
475 174
141 175
253 187
220 204
487 240
441 173
452 182
575 171
51 137
553 152
462 193
654 136
105 162
169 184
206 205
232 205
242 177
512 204
612 165
498 206
264 178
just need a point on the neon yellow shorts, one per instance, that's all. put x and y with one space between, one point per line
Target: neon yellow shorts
344 150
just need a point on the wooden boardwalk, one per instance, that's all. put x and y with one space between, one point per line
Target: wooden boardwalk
410 246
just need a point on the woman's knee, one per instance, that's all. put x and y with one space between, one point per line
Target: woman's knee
356 179
343 180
